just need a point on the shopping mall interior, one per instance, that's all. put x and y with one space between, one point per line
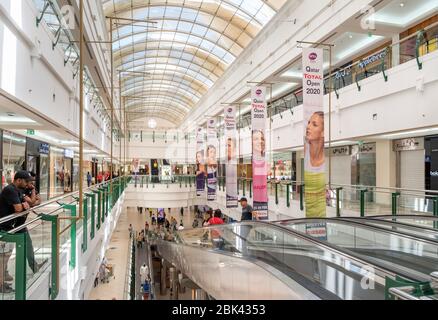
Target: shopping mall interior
287 143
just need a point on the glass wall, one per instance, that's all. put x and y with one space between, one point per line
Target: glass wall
14 155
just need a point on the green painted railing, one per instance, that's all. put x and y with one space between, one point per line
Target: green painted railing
20 240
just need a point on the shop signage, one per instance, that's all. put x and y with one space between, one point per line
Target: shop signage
68 153
313 108
30 132
434 173
409 144
259 164
367 148
44 148
371 59
341 151
342 73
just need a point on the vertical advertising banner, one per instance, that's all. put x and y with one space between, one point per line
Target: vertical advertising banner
313 107
231 157
259 165
200 162
212 164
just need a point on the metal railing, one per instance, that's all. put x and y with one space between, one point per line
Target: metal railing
346 199
412 47
52 229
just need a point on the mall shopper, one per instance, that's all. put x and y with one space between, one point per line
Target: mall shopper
33 199
146 227
130 231
99 178
139 241
144 272
247 215
207 216
215 234
146 288
11 202
89 179
173 224
182 211
143 237
217 218
247 211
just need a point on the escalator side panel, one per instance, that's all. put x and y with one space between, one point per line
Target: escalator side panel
227 277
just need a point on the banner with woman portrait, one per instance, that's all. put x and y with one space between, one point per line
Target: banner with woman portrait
200 162
313 108
231 157
212 164
259 165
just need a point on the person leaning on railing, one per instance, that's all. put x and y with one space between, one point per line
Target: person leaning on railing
12 201
33 199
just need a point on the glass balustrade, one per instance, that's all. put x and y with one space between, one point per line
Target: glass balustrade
33 249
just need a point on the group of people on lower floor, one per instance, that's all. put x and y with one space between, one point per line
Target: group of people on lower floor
16 199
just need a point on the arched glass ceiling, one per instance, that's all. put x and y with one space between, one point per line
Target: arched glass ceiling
185 52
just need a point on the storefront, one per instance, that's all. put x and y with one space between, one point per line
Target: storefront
282 167
341 161
410 159
363 167
37 161
431 165
57 179
68 170
13 156
244 169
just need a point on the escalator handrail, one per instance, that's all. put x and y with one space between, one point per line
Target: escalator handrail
425 217
365 226
395 224
279 274
327 246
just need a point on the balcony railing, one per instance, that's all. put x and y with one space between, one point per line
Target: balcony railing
52 229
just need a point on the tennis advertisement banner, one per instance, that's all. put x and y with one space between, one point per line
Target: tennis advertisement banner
313 108
212 163
259 165
231 157
200 162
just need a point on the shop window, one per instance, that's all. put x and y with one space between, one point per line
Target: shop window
14 155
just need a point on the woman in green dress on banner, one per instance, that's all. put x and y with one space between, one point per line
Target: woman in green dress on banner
314 167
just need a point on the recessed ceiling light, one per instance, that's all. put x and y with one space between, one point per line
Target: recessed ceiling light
402 4
350 36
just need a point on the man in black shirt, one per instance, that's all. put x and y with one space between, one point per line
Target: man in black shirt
33 199
12 202
246 210
247 215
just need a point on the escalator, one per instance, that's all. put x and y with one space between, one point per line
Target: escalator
421 228
259 260
390 245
